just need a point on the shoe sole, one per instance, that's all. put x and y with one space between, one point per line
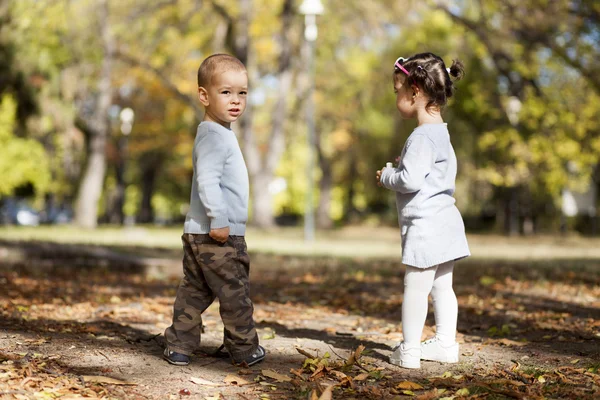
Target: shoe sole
399 363
245 363
447 360
256 362
405 365
178 363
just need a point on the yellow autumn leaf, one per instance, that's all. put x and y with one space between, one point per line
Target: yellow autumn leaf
463 392
408 385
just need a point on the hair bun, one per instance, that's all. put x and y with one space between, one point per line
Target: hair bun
456 70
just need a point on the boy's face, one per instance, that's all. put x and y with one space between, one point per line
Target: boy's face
225 97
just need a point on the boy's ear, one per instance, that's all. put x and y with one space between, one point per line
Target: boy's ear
203 96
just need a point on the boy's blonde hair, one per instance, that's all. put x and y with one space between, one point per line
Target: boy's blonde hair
217 63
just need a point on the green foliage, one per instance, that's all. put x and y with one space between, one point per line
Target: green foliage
160 47
23 161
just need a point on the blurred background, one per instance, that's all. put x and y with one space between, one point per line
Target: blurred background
98 109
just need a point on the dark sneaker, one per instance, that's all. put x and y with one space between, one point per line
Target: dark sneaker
176 358
255 358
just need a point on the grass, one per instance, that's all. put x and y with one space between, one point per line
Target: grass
361 242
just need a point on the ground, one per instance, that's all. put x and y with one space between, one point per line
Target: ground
82 320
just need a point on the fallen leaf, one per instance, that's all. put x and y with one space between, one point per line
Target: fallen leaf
574 361
235 380
504 382
541 379
105 379
297 372
305 353
327 393
408 385
269 334
275 375
200 381
353 359
408 392
245 371
338 374
508 342
361 377
462 392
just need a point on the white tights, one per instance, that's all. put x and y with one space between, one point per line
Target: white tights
418 283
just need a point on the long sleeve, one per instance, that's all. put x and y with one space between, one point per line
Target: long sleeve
416 164
211 156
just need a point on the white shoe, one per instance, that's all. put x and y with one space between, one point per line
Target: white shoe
406 358
433 350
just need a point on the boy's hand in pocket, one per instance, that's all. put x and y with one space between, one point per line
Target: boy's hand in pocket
220 234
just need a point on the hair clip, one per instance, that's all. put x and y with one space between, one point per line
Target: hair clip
399 66
419 67
448 69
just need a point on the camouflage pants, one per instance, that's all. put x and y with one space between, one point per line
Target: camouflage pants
214 270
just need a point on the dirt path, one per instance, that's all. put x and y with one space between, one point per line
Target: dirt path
526 331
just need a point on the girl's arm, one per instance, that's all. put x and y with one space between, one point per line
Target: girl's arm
416 164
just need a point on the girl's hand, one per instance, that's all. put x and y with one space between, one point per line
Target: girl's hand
378 176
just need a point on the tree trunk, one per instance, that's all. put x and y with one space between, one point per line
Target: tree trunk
86 208
150 166
350 210
116 200
324 220
511 215
262 167
262 205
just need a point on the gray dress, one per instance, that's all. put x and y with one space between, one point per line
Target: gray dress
431 226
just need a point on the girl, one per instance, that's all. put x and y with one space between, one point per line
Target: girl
432 229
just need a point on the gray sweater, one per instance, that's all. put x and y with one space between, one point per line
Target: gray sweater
431 226
220 187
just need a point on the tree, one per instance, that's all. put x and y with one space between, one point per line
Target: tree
95 125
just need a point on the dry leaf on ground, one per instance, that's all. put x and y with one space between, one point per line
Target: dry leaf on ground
200 381
276 375
408 385
235 380
106 379
327 393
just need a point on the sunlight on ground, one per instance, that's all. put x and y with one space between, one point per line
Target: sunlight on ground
347 242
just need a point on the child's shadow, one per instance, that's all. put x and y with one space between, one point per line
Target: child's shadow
350 343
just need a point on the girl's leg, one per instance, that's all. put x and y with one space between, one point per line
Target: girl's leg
445 306
418 283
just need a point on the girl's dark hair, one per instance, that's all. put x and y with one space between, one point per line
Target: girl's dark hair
428 71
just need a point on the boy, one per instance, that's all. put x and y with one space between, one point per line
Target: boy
216 262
